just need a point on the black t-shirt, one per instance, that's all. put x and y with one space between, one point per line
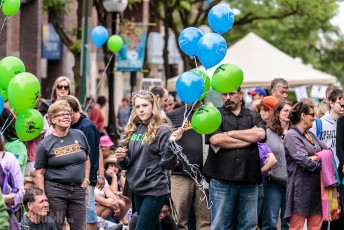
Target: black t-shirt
46 223
63 158
191 142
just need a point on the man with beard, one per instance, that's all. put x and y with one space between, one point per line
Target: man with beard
37 206
233 167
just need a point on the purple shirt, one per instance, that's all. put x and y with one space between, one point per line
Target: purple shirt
263 152
10 163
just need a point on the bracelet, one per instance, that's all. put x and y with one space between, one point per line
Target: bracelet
87 180
101 177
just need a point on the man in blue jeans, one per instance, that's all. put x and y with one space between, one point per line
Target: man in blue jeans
233 165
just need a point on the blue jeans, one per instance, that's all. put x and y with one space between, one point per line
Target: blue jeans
148 209
234 205
274 200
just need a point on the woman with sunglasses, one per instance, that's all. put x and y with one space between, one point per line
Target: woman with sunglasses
146 156
63 167
303 167
61 88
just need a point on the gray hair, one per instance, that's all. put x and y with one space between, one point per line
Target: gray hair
277 82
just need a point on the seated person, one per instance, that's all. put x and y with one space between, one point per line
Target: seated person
166 220
110 201
37 206
29 180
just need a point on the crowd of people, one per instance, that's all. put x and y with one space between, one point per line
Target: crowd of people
267 166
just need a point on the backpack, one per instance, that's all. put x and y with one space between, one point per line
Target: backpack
319 127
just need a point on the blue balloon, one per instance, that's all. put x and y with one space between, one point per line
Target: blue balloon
188 40
221 18
211 49
189 86
2 104
99 35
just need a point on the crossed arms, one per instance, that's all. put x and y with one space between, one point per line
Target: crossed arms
237 138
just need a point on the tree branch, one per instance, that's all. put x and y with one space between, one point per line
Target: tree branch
249 18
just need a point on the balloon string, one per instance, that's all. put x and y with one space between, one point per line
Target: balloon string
3 24
4 129
196 63
194 172
187 113
100 81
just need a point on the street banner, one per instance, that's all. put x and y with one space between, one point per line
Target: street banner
51 43
131 55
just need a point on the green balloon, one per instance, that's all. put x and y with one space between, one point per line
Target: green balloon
9 67
227 78
206 80
29 124
10 7
4 94
23 92
207 119
115 43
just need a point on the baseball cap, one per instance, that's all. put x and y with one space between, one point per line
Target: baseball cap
269 102
259 91
105 141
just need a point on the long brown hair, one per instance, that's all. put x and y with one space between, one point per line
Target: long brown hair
275 123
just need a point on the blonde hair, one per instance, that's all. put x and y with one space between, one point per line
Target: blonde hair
57 81
60 105
154 122
321 109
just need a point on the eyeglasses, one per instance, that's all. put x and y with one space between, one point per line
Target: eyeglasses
342 106
62 115
65 87
231 94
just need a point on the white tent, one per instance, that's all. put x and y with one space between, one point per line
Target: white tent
262 62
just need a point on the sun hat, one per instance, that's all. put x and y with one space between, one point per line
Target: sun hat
105 141
259 91
110 159
269 102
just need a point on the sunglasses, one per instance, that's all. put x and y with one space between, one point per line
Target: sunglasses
142 92
311 114
264 109
65 87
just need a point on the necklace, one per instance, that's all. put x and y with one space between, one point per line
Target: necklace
61 138
310 139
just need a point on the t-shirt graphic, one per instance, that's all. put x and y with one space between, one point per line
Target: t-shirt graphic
66 150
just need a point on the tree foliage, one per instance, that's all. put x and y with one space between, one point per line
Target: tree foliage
301 28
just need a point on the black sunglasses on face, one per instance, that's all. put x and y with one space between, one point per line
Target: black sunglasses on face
65 87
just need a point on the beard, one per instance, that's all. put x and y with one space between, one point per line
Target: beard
229 105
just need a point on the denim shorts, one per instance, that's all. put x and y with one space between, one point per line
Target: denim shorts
91 216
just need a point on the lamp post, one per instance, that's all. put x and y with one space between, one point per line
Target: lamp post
114 6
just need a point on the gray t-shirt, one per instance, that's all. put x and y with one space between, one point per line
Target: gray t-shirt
63 158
